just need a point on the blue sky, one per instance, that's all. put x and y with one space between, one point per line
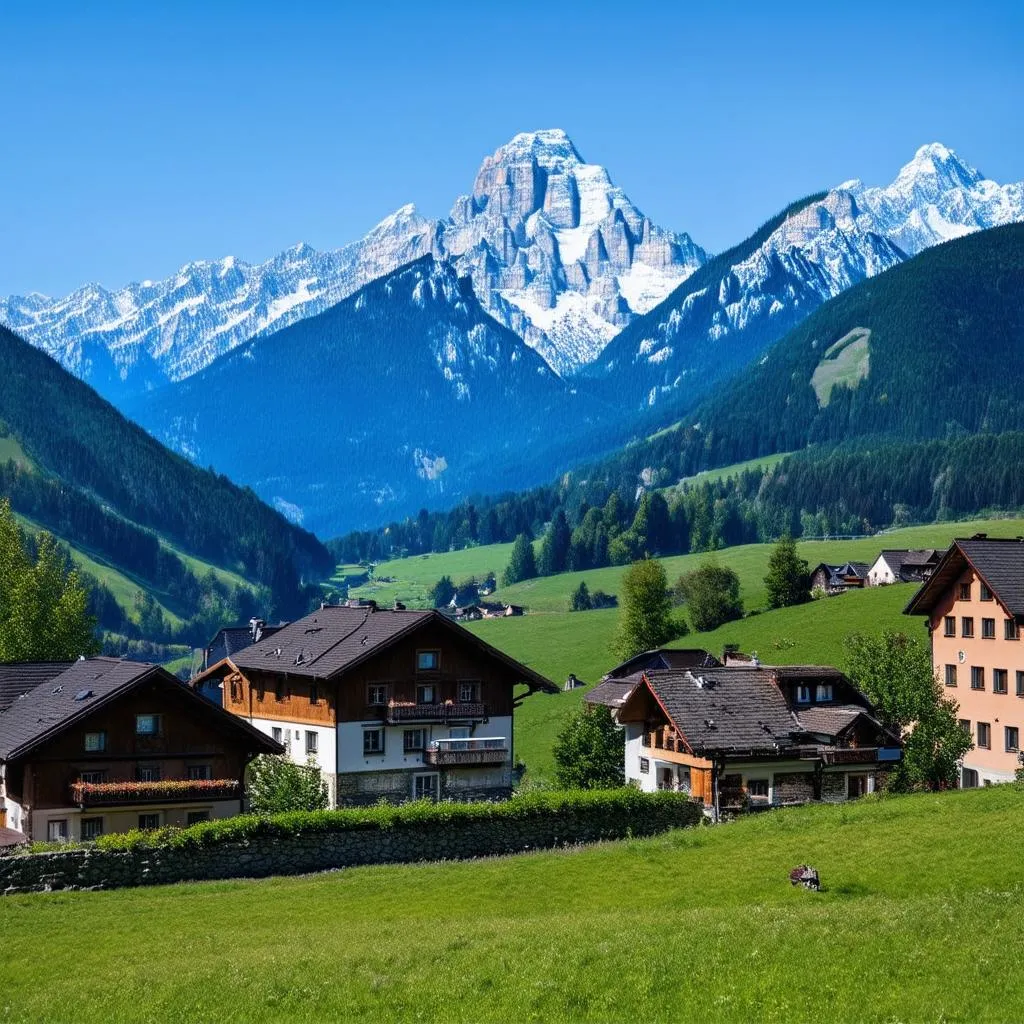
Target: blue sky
137 137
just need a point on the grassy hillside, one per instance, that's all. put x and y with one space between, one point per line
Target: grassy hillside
918 921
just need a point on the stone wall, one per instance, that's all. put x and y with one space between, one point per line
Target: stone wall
793 787
264 855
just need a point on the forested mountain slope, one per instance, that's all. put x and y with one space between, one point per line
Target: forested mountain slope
75 466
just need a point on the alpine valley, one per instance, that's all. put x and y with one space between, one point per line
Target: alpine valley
545 321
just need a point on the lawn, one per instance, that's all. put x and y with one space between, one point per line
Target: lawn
919 919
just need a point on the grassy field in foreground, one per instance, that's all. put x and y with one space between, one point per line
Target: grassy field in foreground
918 921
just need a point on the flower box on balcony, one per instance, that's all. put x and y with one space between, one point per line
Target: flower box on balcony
92 794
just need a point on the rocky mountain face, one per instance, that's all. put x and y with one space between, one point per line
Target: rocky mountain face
556 251
143 335
728 312
403 395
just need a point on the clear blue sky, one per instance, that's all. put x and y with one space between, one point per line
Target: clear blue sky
136 137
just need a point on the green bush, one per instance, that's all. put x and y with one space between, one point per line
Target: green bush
657 810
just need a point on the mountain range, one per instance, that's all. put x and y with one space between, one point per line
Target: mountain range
544 318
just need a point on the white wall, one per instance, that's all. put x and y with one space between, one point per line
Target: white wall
350 757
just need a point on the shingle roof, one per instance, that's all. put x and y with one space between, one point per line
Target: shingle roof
232 639
9 837
335 638
730 709
663 658
611 692
83 687
1000 563
16 679
829 721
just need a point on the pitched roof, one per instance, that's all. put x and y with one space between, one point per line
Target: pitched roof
897 558
10 837
612 692
999 562
829 721
664 657
728 709
19 678
83 687
336 638
232 639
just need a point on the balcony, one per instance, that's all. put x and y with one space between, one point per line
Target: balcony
108 794
398 713
460 752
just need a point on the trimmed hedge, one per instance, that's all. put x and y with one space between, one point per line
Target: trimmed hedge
659 809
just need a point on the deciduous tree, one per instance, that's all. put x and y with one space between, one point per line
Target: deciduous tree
277 784
590 751
646 621
711 594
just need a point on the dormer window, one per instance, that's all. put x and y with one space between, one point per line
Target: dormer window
986 594
823 692
803 695
428 661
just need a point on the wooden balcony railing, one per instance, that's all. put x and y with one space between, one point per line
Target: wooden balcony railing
479 750
95 794
397 713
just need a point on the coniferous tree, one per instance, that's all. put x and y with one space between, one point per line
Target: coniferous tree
554 549
788 581
442 592
521 565
580 601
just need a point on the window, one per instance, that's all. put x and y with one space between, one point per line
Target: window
970 779
967 626
988 629
1012 735
757 789
376 694
426 787
196 817
412 740
149 821
92 828
197 772
951 675
823 691
280 690
1011 631
236 690
95 742
965 724
373 741
459 732
426 694
949 626
984 735
314 693
977 678
999 680
965 591
1020 683
92 777
645 766
57 830
803 695
428 661
986 594
312 741
469 691
147 725
276 733
149 773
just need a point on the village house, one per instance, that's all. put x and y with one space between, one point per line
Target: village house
831 580
974 607
393 704
232 639
902 566
618 682
103 745
749 737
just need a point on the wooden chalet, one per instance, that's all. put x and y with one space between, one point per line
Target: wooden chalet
740 738
103 745
393 704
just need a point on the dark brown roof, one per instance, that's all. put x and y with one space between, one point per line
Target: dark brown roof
898 558
16 679
729 709
86 685
1000 563
336 638
662 658
612 692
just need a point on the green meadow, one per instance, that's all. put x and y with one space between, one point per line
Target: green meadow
920 920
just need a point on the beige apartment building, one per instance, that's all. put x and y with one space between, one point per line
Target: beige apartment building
974 603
